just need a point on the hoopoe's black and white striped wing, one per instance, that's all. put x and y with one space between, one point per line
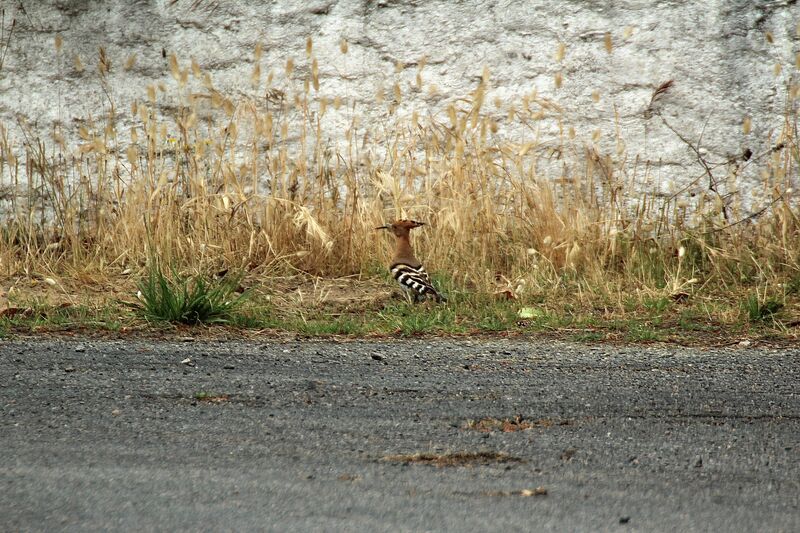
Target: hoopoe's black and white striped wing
413 278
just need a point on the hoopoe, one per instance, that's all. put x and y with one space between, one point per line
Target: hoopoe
405 267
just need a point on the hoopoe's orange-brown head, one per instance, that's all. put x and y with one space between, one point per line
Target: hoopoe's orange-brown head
401 227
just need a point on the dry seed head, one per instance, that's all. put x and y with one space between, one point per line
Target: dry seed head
797 61
572 255
309 46
255 77
558 79
561 50
571 132
191 121
257 53
681 252
777 69
380 94
596 135
343 47
595 96
173 66
289 67
419 80
195 68
216 99
628 32
79 64
129 62
162 86
315 73
337 102
477 98
746 125
58 42
103 63
769 37
151 93
608 43
132 154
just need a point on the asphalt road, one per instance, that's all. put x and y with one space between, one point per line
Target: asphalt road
401 435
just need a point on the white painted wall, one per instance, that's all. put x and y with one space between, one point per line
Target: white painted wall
721 54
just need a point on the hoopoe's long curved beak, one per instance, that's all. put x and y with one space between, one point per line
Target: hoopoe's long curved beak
382 227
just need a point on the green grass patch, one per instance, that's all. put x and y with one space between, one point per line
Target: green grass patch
758 310
200 301
183 299
639 332
37 315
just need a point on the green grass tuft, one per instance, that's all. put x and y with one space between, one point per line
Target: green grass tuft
757 310
189 300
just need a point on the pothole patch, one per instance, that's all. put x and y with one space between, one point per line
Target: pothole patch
453 459
509 425
205 397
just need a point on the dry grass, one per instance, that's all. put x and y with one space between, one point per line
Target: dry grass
289 181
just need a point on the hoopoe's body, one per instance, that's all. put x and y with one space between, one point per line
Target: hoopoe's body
405 267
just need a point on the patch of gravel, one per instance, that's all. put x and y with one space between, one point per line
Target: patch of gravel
397 435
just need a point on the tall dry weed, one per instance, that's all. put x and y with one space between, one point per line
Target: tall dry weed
291 180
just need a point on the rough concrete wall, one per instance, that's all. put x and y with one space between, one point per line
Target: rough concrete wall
721 54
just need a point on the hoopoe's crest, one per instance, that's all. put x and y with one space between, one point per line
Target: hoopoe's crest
405 267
